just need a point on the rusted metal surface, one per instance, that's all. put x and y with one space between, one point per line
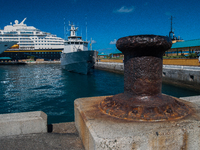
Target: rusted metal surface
142 99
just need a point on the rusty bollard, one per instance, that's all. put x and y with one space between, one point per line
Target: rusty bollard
142 99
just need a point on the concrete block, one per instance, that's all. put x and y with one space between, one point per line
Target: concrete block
193 99
99 131
23 123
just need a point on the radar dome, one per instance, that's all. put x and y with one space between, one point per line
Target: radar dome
16 21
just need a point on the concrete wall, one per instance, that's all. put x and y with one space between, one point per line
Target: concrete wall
182 62
112 60
187 76
110 66
23 123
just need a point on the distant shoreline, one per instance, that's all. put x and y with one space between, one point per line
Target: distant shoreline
43 62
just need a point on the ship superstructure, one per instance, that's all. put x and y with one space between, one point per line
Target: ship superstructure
31 41
74 43
76 57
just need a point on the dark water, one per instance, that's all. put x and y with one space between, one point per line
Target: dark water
48 88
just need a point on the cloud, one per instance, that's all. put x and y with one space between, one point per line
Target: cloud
125 9
113 42
93 41
105 50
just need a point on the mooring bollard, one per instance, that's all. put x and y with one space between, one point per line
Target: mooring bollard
142 99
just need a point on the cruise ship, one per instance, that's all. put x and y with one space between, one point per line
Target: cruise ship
76 57
31 42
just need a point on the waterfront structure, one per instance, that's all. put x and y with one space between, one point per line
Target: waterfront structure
5 59
30 42
117 54
181 48
184 48
102 55
76 57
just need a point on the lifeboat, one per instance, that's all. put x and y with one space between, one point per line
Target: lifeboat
16 46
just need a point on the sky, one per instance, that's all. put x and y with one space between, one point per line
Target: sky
106 20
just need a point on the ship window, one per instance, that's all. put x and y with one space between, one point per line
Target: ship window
76 42
72 42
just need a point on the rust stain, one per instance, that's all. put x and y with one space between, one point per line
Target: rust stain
142 99
185 141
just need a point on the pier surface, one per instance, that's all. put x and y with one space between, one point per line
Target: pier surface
63 136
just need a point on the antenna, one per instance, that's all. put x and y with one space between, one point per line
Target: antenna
86 25
171 23
91 44
81 32
64 30
171 33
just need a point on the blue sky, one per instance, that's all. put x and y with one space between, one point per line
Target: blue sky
107 20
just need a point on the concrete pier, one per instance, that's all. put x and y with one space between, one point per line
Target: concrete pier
185 76
114 67
102 132
23 123
65 136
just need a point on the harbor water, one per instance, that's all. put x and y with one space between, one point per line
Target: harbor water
49 88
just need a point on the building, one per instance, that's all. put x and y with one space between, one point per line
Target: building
184 48
117 54
102 55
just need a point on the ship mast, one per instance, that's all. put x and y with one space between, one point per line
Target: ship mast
91 44
171 33
73 30
64 30
86 26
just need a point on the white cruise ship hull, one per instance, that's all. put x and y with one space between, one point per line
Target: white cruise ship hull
79 62
4 45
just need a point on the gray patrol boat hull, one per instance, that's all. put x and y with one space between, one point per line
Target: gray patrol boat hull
80 62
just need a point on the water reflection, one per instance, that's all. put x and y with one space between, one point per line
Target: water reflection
48 88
